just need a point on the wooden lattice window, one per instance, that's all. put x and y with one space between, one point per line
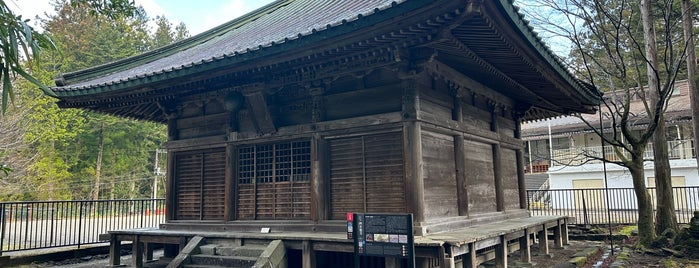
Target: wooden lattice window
200 185
274 181
366 174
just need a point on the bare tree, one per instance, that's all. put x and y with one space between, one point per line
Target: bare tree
608 50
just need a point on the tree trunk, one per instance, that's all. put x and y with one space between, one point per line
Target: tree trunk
98 167
646 226
666 217
687 15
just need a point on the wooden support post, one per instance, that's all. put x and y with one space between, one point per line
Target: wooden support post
501 253
525 251
520 179
448 258
412 140
308 255
137 251
543 240
564 230
170 202
231 178
114 251
471 261
319 195
149 251
557 240
497 173
519 154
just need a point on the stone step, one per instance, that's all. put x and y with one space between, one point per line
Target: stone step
210 266
247 251
225 261
231 250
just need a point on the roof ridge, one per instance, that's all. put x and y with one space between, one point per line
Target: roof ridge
172 48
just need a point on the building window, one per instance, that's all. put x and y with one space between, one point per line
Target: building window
274 181
367 175
200 184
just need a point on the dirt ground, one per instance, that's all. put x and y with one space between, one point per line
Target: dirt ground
636 258
556 257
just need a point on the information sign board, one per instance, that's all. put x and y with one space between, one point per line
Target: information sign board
382 235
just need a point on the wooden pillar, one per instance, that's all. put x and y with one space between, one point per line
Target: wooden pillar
308 255
114 251
412 140
557 240
497 173
170 202
137 252
461 178
520 179
564 235
414 172
460 157
471 261
501 253
149 247
170 196
519 154
319 194
497 161
525 251
447 259
543 240
229 208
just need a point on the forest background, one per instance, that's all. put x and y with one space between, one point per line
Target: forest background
70 154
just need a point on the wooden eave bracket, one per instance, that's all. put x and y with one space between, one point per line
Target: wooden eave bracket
260 112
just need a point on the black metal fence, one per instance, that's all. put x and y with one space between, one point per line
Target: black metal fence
602 206
48 224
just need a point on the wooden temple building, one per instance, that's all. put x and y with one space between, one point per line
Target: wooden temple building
293 115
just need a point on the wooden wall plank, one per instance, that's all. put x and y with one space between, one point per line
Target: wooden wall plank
509 179
439 175
481 187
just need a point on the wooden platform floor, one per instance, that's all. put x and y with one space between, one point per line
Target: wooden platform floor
456 245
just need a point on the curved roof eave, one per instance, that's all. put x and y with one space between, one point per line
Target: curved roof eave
592 95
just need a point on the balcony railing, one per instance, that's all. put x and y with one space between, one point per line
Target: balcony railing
678 149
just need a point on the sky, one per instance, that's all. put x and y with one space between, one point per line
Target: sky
198 15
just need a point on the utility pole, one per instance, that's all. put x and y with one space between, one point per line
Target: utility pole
156 171
156 176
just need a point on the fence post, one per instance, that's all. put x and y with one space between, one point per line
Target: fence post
586 219
143 212
80 223
2 227
53 219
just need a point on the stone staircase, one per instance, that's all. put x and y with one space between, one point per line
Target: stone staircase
217 252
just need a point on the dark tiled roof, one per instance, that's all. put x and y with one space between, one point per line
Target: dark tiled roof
272 25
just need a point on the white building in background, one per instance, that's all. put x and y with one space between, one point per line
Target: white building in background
556 150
